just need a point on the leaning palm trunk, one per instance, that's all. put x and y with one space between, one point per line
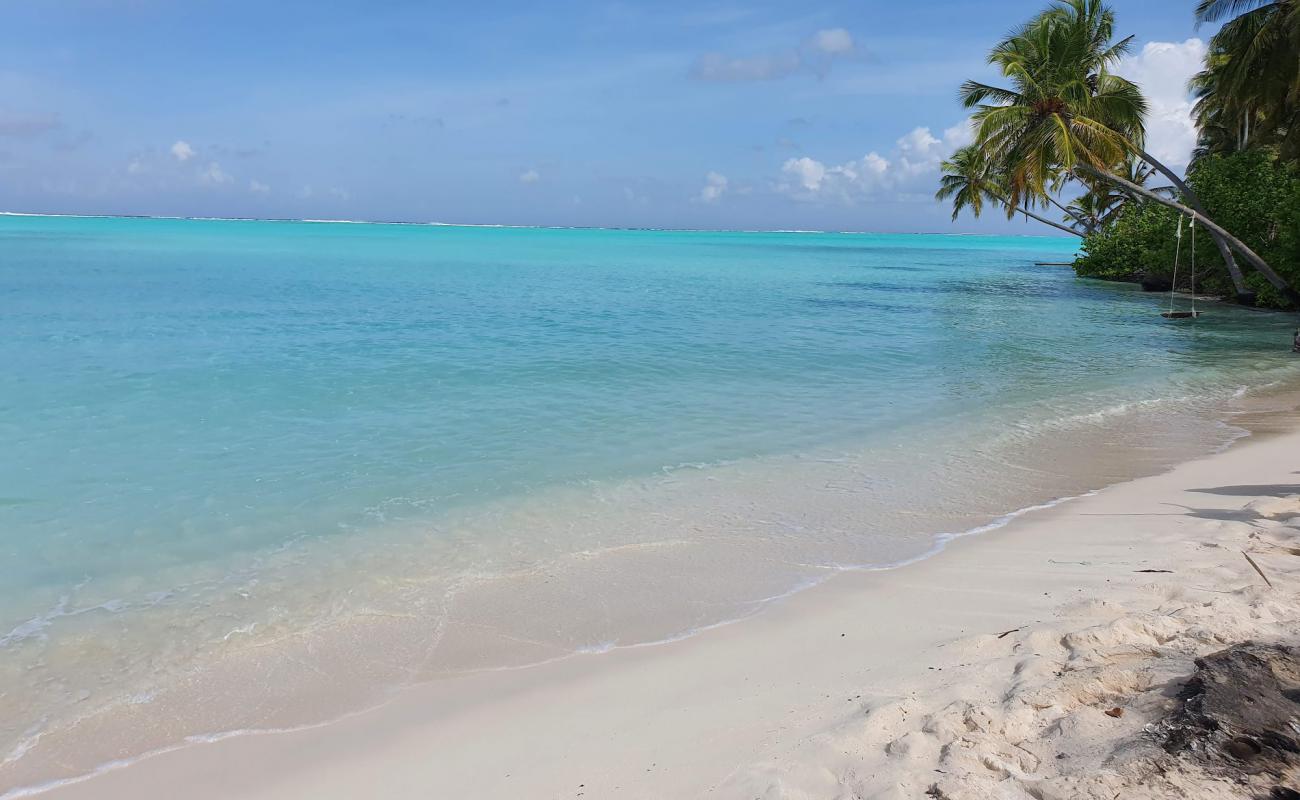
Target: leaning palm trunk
1031 215
1244 294
1209 224
1088 227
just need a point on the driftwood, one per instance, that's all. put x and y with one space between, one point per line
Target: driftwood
1239 714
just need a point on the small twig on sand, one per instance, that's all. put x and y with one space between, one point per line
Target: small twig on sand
1026 749
1251 561
1005 634
1153 570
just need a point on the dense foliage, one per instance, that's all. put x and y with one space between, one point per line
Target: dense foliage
1249 90
1063 119
1251 192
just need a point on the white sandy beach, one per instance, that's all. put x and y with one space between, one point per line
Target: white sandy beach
984 672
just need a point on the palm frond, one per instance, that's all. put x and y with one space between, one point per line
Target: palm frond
1215 10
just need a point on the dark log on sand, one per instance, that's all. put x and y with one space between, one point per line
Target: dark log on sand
1239 714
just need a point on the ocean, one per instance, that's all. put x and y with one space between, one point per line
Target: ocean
258 474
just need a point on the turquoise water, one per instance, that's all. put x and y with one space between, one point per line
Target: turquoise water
520 443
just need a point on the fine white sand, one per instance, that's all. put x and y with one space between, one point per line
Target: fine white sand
891 684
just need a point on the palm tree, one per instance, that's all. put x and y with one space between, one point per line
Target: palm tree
1249 92
1224 125
1221 125
967 180
1072 216
1067 113
1103 202
1092 208
1250 87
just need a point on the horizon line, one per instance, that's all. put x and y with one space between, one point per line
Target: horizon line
437 224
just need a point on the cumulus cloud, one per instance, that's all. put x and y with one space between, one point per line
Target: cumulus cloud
257 187
1162 70
920 152
182 151
715 185
814 56
529 176
214 175
805 172
913 163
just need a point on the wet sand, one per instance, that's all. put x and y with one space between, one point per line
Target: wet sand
985 669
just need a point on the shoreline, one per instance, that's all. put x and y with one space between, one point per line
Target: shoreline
594 718
941 541
115 738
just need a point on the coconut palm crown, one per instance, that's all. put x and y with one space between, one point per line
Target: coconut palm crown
965 180
1249 91
1064 107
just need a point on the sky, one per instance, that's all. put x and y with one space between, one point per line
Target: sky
748 115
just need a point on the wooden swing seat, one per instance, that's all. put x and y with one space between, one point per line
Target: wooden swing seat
1178 251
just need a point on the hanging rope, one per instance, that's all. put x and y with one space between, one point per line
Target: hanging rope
1178 254
1191 225
1178 249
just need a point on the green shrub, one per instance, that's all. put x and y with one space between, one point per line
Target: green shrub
1251 193
1138 243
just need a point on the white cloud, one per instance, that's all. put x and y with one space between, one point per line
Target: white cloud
306 192
182 151
715 185
215 175
529 176
340 194
805 172
916 149
1162 71
919 152
257 187
832 41
960 135
135 167
913 165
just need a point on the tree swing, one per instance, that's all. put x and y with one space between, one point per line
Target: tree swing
1173 285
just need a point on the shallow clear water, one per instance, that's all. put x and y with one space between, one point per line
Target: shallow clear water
232 449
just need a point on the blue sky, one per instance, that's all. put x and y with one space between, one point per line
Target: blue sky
827 115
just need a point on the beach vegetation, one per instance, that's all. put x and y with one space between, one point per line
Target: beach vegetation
968 182
1253 192
1063 117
